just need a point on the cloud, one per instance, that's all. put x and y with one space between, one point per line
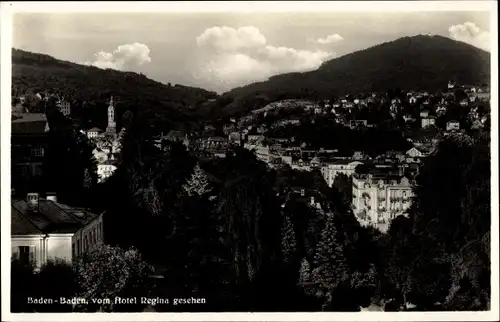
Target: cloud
234 57
226 39
469 33
123 57
330 39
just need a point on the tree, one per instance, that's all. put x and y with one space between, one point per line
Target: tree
305 278
288 240
23 281
109 272
56 280
330 267
252 212
441 253
198 183
400 259
69 166
344 184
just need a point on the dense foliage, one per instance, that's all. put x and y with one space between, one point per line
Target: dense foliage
69 167
330 135
440 255
108 272
102 273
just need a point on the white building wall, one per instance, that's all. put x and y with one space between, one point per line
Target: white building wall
59 246
54 246
88 237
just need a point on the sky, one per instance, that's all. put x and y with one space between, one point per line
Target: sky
220 51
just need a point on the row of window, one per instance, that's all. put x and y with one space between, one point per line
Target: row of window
24 170
90 238
25 254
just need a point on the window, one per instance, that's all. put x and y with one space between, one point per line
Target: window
78 246
73 250
23 171
38 170
38 151
27 254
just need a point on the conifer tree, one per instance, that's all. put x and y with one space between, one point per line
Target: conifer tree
288 239
330 265
198 183
305 280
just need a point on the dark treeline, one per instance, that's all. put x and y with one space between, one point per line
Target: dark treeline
326 133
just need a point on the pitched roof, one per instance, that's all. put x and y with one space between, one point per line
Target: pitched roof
94 129
344 161
20 225
29 123
173 135
51 217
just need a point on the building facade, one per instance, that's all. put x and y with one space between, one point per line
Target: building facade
43 229
29 140
64 107
331 170
380 195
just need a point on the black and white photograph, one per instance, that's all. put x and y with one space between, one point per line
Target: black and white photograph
250 158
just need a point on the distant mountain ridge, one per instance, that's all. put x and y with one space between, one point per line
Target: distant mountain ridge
33 72
410 63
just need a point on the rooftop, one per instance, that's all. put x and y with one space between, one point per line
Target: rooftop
51 217
29 123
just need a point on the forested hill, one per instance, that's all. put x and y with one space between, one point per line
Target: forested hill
410 63
33 73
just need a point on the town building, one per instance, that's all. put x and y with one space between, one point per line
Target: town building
452 126
380 194
415 155
424 113
29 140
428 121
105 170
353 124
228 128
94 133
43 229
64 107
331 169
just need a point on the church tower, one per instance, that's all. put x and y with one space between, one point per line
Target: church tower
111 117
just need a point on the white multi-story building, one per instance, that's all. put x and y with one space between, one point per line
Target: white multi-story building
379 195
331 170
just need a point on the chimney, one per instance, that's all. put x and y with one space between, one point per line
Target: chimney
52 196
32 200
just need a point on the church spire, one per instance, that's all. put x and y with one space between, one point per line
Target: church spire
111 117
